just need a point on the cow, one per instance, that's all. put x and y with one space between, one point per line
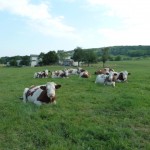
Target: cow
75 71
41 74
41 94
106 79
103 71
60 74
84 74
122 76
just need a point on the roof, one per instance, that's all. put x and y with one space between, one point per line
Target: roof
34 55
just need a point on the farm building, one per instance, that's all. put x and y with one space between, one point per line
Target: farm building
34 60
70 62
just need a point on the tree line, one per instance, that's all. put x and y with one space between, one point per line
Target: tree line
87 56
52 57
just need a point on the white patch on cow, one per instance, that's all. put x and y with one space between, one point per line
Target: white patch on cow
38 103
105 79
46 73
50 87
24 95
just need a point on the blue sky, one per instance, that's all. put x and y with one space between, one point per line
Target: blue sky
34 26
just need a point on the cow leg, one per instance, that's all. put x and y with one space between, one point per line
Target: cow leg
24 95
54 102
35 75
113 84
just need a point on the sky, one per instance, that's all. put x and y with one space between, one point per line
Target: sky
35 26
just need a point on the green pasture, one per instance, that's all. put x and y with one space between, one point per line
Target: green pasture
87 116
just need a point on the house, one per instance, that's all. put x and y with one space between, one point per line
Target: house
71 62
34 61
68 62
18 62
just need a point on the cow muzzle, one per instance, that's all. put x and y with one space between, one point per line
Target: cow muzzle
52 99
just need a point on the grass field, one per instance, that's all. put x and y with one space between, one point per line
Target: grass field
87 116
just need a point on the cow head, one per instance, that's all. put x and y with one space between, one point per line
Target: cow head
48 93
50 88
123 76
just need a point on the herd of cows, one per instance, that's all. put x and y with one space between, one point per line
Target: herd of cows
46 93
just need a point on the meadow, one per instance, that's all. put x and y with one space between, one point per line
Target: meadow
87 116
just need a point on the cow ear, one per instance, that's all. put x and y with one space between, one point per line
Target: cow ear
57 86
43 87
115 74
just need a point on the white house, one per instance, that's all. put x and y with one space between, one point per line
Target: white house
34 60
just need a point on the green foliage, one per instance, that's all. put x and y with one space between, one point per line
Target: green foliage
50 58
118 58
131 51
25 60
62 54
86 116
78 55
13 62
90 57
84 55
105 55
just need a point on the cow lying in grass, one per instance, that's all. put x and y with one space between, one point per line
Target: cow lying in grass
60 74
84 74
103 71
106 79
41 74
41 94
75 71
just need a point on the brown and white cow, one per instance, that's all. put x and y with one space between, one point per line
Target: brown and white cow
106 79
103 71
60 74
75 71
41 94
41 74
84 74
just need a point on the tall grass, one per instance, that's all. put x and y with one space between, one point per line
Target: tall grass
87 116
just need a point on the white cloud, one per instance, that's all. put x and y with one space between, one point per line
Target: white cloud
124 8
133 16
128 36
38 16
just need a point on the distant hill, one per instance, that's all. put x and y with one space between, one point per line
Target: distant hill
131 51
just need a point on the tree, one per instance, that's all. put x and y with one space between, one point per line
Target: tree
25 60
4 60
118 58
40 58
78 55
13 62
105 55
61 55
90 57
50 58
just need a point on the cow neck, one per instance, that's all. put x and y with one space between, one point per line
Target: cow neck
43 97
